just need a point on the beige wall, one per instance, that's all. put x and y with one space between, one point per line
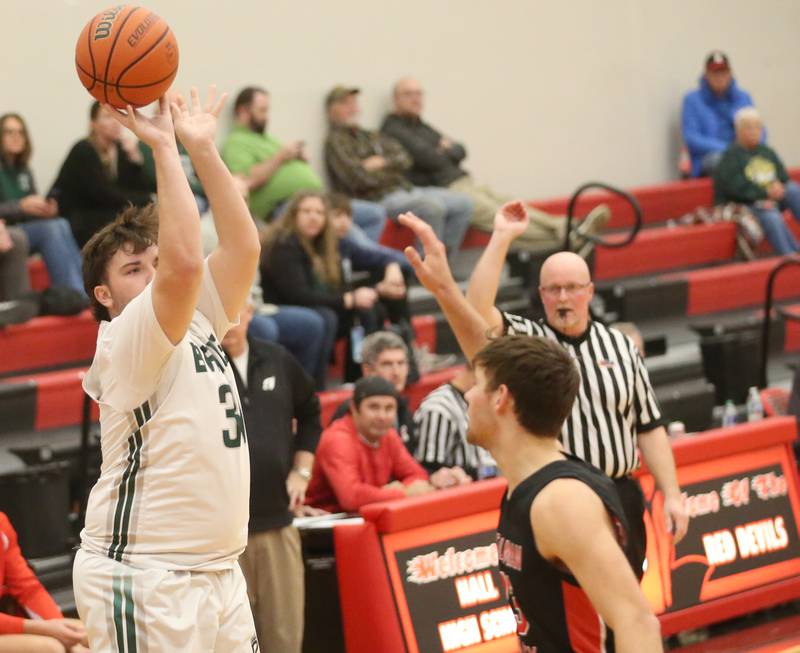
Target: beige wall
545 95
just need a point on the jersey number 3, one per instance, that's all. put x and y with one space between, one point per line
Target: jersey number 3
228 399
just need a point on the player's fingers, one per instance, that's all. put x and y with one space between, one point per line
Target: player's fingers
414 258
180 102
514 209
175 110
422 230
217 110
196 105
163 105
120 116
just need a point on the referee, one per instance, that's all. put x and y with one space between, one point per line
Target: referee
615 409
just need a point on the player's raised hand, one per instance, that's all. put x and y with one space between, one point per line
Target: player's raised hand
196 125
433 271
511 219
156 131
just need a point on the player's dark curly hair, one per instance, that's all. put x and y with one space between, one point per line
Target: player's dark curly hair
135 228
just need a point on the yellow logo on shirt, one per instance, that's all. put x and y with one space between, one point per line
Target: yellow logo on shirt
761 171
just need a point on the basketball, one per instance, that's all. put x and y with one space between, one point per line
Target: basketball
126 55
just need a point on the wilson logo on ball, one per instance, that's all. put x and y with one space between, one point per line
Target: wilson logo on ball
107 17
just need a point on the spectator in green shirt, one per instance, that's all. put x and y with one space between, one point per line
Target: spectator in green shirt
275 171
752 173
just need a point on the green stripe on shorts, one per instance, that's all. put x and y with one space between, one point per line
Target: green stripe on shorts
124 616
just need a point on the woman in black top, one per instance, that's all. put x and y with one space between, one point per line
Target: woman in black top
302 266
101 175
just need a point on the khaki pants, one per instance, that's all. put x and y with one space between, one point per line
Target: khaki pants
544 232
272 565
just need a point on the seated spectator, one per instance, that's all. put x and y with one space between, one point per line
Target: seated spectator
436 161
275 172
385 355
361 459
149 170
707 115
388 269
14 279
753 174
370 165
101 175
301 266
362 254
442 427
42 629
47 234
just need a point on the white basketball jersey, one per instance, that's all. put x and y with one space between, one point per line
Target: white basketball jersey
175 479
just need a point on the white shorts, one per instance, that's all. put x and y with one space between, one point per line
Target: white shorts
130 610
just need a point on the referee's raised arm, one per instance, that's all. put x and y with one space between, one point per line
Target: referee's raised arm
510 221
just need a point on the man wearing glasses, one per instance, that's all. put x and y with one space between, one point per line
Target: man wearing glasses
615 409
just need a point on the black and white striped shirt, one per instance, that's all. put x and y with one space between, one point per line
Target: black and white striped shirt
442 423
615 400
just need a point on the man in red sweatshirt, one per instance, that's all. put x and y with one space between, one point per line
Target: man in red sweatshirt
361 458
45 629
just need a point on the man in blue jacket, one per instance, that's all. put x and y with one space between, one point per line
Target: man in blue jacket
708 114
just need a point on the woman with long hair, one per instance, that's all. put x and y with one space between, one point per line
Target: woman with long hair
102 174
302 266
37 216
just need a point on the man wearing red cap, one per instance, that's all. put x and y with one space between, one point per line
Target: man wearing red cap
707 119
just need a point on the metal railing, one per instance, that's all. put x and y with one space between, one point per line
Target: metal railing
597 240
788 261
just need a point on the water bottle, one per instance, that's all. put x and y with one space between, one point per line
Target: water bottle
676 429
755 409
729 414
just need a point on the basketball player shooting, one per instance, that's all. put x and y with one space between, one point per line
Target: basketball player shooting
157 568
562 537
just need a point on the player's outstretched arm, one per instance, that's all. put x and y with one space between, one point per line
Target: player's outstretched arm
233 263
180 251
433 272
510 221
571 524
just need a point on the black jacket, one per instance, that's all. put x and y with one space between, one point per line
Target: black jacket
432 166
287 277
278 390
88 197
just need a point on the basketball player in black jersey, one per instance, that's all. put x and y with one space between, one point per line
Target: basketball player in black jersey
562 533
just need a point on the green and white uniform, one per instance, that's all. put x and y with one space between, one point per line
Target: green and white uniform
168 515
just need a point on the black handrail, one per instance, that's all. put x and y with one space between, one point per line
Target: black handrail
788 261
637 215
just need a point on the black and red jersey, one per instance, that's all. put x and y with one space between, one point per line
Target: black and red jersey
553 613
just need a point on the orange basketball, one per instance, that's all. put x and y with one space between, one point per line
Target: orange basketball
126 55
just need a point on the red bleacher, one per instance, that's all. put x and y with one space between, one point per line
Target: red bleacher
52 342
47 342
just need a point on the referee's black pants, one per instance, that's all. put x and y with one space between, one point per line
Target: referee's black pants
633 504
